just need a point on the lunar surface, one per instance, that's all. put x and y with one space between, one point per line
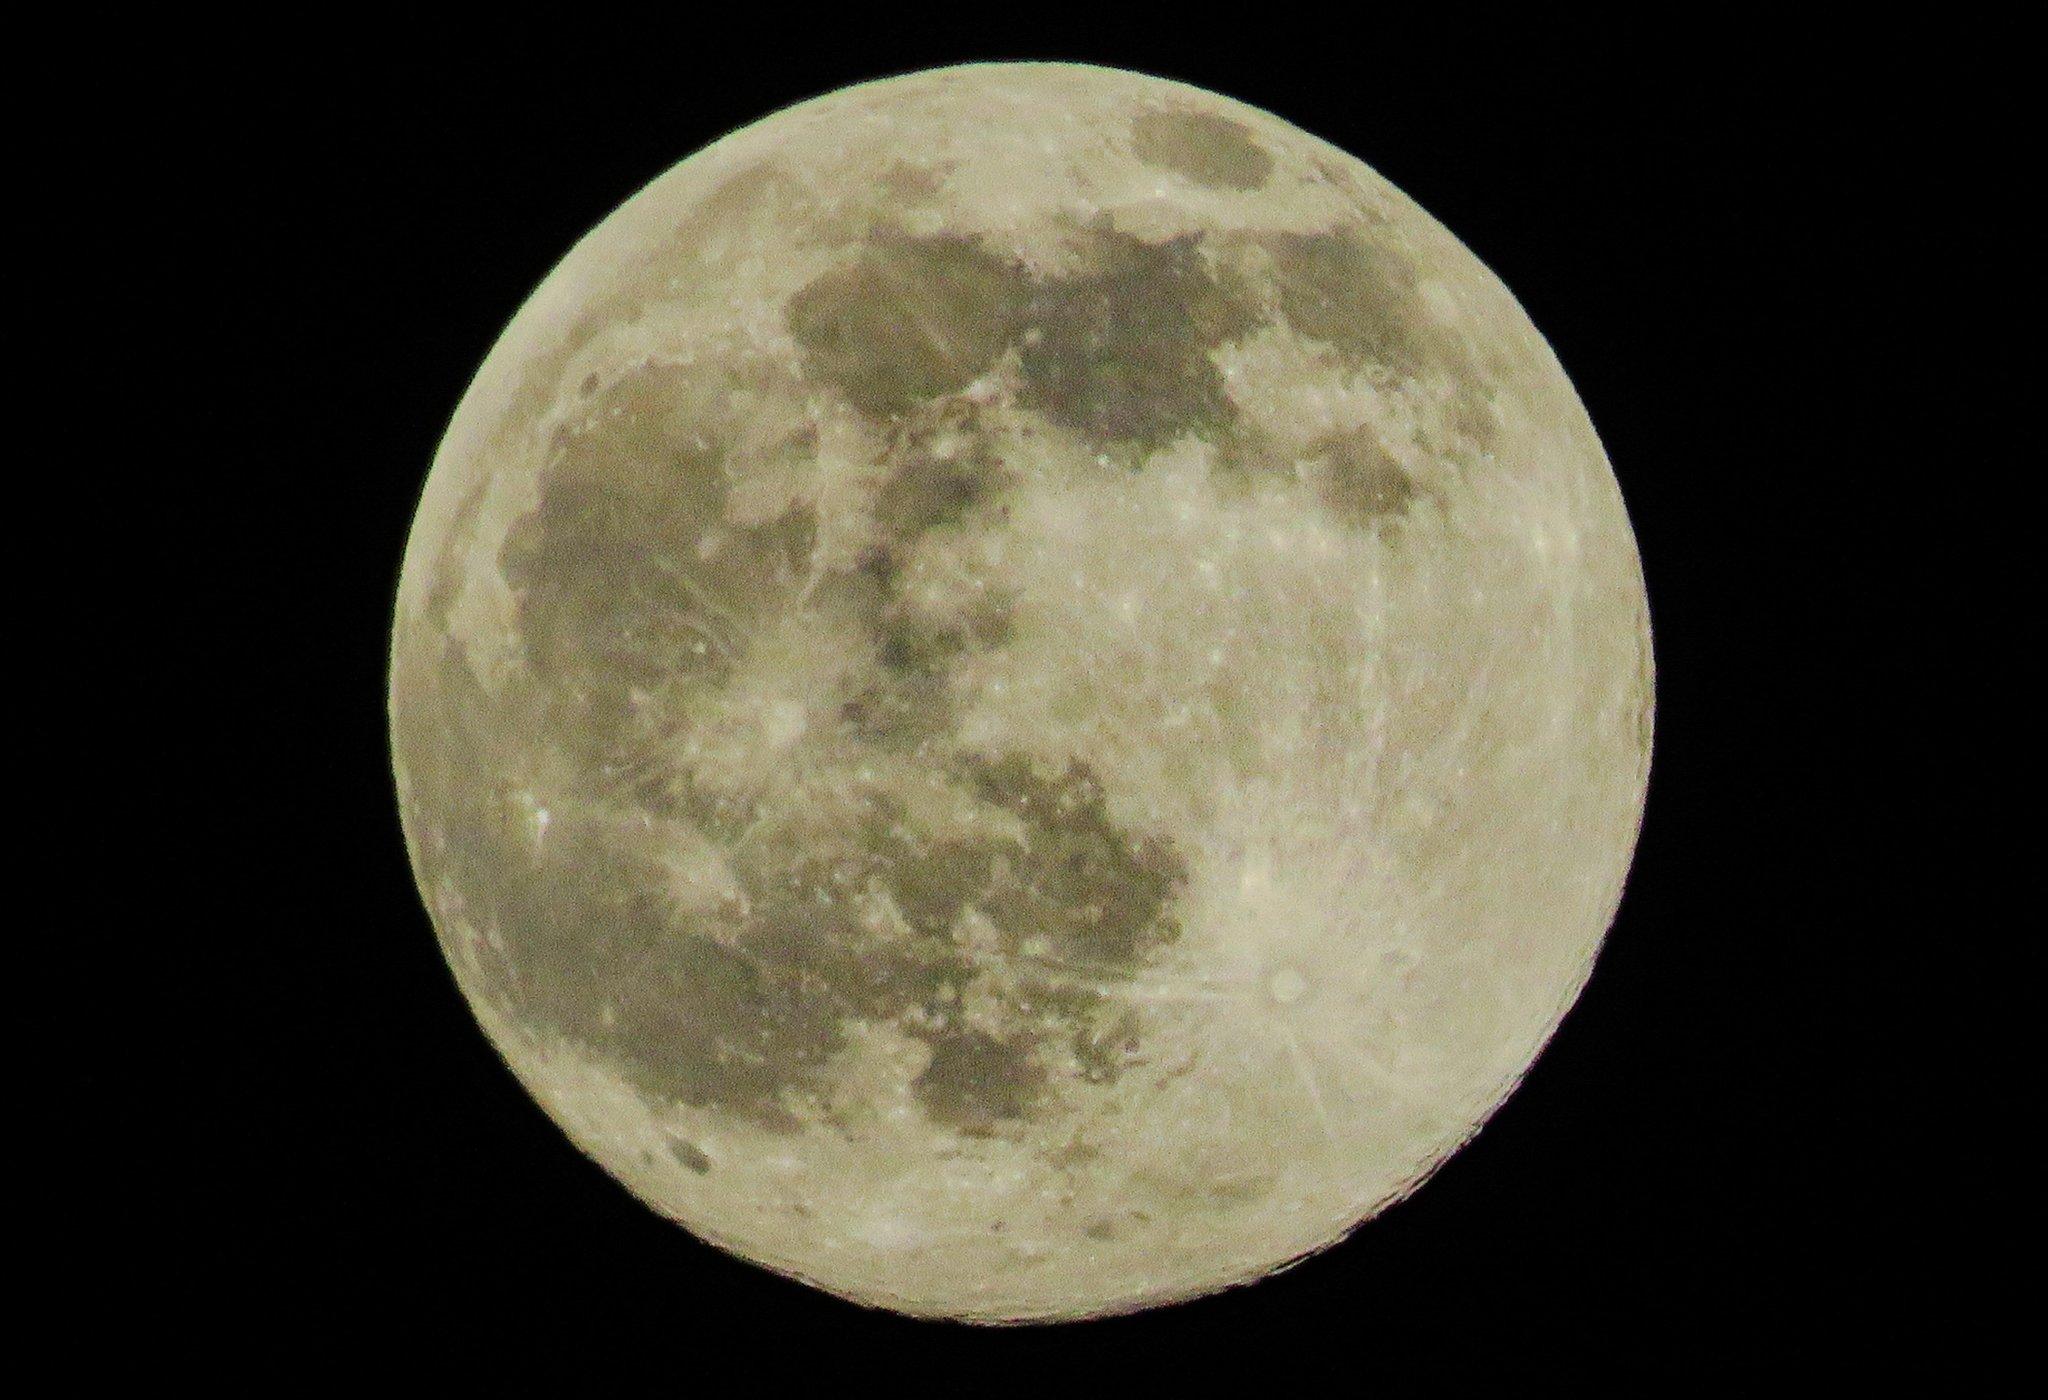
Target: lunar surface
1020 692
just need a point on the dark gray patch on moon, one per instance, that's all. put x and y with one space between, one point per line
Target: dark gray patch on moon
689 1155
629 575
913 183
905 703
1209 149
945 468
975 1080
866 917
1347 288
944 475
1096 891
1343 289
1358 480
1107 1049
1350 476
1121 352
910 319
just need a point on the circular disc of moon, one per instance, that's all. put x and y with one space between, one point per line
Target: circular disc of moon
1020 692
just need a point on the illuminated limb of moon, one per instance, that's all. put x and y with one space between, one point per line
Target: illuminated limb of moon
1020 692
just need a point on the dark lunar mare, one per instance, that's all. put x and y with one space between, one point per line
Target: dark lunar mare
631 579
1121 351
1206 147
1352 288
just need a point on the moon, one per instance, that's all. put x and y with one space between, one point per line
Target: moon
1020 692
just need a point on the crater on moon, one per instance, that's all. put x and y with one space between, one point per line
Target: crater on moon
1020 692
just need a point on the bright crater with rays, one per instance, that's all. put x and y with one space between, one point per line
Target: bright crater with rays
1021 692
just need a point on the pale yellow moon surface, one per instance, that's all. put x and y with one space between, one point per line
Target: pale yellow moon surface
1020 692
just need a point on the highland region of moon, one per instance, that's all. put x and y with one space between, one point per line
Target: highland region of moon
1021 692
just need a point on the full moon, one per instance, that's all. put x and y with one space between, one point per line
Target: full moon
1020 692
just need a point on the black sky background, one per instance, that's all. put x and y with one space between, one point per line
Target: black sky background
1705 217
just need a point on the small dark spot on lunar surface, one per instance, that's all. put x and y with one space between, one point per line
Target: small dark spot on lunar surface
912 182
1105 1050
689 1155
975 1081
944 468
1358 479
929 492
1209 149
1238 1191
